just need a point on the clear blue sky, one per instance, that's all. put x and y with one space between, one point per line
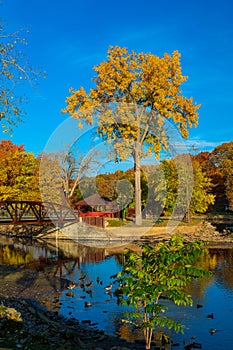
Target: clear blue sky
67 38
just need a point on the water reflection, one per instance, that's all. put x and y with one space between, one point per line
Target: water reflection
89 271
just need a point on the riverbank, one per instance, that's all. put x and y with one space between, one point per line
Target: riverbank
205 229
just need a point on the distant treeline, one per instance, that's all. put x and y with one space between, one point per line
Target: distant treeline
59 177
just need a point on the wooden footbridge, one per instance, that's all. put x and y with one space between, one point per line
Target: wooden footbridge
30 212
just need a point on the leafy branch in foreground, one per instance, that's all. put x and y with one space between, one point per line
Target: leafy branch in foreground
159 273
15 69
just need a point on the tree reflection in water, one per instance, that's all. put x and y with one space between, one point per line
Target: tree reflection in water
72 261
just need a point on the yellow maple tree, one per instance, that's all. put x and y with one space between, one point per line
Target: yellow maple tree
134 93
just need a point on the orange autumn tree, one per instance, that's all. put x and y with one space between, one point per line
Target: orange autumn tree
18 173
222 158
134 93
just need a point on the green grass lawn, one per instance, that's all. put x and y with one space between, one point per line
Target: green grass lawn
161 222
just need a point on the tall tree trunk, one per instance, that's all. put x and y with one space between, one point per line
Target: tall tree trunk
137 176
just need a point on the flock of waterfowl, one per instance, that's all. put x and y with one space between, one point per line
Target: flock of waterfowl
86 286
191 343
211 315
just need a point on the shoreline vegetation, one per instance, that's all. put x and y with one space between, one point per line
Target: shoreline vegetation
26 321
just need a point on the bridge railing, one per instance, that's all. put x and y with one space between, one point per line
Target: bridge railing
31 212
18 212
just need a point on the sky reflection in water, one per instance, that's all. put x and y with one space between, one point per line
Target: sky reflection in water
215 294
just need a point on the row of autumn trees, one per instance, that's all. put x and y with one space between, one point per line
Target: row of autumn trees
22 178
212 187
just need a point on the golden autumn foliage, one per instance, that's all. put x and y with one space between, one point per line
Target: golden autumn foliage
142 79
18 173
134 94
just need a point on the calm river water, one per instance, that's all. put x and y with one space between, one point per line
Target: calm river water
91 270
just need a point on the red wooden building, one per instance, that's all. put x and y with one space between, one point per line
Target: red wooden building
96 205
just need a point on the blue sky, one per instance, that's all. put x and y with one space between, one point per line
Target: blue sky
67 38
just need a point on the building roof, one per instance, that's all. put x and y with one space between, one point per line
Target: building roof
96 200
